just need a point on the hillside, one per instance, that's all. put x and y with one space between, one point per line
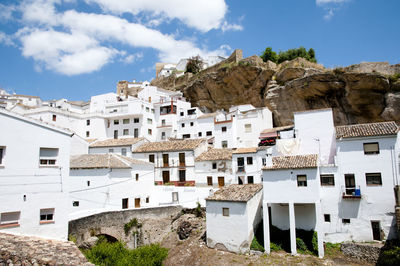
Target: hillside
366 92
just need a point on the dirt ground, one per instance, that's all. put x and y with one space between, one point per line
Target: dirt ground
194 251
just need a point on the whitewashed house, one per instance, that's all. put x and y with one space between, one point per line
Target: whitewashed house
104 182
232 216
214 168
34 169
122 146
247 164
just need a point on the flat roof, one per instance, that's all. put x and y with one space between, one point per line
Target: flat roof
237 193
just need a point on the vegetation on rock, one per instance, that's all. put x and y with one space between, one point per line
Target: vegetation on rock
290 54
194 65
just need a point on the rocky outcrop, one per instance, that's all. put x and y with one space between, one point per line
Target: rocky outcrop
367 92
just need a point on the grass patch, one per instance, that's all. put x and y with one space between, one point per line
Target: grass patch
332 249
256 246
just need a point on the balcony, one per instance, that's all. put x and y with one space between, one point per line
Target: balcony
241 169
176 183
351 192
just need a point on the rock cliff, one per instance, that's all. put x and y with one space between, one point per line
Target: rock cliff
366 92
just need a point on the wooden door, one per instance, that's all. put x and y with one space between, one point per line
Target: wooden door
137 202
221 181
165 177
165 160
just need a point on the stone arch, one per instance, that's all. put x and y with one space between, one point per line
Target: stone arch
109 238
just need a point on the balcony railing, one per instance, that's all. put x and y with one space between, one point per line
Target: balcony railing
351 192
176 183
241 169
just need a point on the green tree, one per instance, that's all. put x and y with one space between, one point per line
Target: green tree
194 65
268 54
288 55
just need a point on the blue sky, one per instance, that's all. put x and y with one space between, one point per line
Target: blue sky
77 48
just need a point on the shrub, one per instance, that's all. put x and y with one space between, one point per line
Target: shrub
197 211
301 246
194 65
394 78
256 246
132 223
390 256
314 242
275 247
290 54
72 238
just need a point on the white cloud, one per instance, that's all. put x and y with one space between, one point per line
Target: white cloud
329 14
231 27
6 39
203 15
330 7
6 12
132 58
324 2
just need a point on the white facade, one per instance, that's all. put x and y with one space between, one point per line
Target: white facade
34 170
219 171
247 164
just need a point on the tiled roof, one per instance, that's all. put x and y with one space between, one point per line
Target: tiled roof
207 115
115 142
293 162
245 150
215 154
171 145
275 129
93 161
236 192
367 130
90 140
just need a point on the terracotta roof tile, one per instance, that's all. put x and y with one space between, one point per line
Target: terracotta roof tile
293 162
93 161
215 154
115 142
367 130
171 145
245 150
276 129
207 115
236 193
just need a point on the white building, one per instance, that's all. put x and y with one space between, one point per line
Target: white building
34 169
122 146
104 182
232 216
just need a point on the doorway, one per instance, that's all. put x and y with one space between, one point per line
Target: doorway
165 177
350 183
376 230
221 181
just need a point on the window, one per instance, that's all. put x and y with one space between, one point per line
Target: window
175 197
371 148
214 165
123 151
136 120
327 180
346 221
152 111
54 118
9 218
126 121
209 181
2 152
87 134
147 199
182 114
147 109
250 180
75 203
125 132
165 158
46 215
183 125
115 134
137 177
249 160
225 212
327 218
125 203
163 136
149 99
108 123
135 132
88 183
88 122
373 179
208 133
151 158
200 134
301 180
182 159
149 121
186 136
182 175
247 128
223 129
116 122
48 156
191 124
163 122
264 161
240 163
224 144
149 131
110 150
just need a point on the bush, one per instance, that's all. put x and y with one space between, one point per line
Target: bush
255 245
332 249
197 210
290 54
105 253
132 223
314 242
301 246
275 247
194 65
390 257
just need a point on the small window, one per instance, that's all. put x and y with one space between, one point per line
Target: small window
147 199
191 124
327 218
225 212
152 111
371 148
200 134
54 118
46 215
163 122
250 180
151 158
116 122
301 180
163 136
209 133
224 144
209 181
149 131
10 218
48 156
125 132
88 183
264 161
183 125
214 165
126 121
247 128
223 129
182 113
2 153
75 203
186 136
136 120
149 121
175 197
123 151
346 221
87 134
147 109
88 122
327 180
137 177
115 134
125 203
373 179
249 160
110 150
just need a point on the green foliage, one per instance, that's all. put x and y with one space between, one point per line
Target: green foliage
338 71
390 256
72 238
197 211
132 223
394 78
301 246
105 253
275 247
255 245
194 65
314 242
290 54
332 249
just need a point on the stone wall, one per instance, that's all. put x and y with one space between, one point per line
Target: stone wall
25 250
361 251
